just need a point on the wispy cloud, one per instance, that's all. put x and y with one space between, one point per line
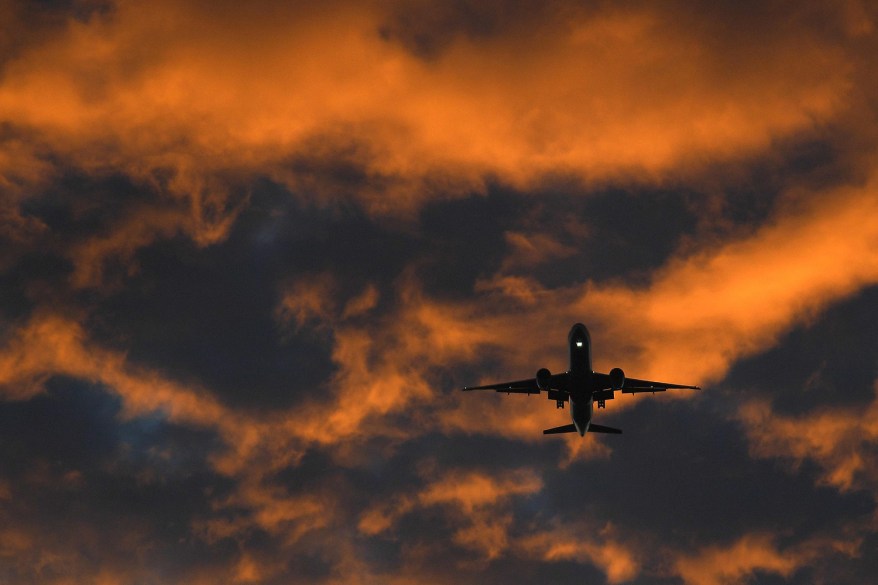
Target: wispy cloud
841 440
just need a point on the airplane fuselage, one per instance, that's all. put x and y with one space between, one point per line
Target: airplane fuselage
581 397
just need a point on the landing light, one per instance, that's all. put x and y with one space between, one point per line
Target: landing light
578 344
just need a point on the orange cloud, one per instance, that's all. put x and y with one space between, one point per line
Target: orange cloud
258 447
255 448
91 257
564 544
839 440
476 502
50 345
472 490
311 300
194 91
530 249
384 368
465 491
758 553
191 103
701 311
738 563
270 508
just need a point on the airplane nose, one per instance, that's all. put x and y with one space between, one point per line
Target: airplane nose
578 334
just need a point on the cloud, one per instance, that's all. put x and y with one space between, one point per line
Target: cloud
253 448
466 491
469 491
706 309
759 553
270 508
398 368
750 555
181 111
477 504
309 300
842 441
349 103
50 345
700 312
92 257
602 550
528 250
35 543
709 308
191 94
411 350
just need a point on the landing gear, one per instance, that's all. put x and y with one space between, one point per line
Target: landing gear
559 404
602 404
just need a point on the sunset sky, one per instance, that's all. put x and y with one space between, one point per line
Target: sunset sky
251 251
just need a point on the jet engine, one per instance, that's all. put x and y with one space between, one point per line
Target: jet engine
544 378
617 378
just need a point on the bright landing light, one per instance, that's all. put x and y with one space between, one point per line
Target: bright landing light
578 344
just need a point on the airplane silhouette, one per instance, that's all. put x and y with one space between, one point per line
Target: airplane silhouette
581 386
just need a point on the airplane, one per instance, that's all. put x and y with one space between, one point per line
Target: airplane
581 386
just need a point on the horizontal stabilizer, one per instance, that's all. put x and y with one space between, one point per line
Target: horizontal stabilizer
563 429
593 428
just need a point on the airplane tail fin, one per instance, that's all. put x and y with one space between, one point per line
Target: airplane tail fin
593 428
562 429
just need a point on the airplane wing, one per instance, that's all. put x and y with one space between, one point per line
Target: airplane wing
529 386
633 386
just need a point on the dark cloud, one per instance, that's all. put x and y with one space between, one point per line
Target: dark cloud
817 365
83 485
428 29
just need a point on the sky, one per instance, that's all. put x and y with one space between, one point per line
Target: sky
251 252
